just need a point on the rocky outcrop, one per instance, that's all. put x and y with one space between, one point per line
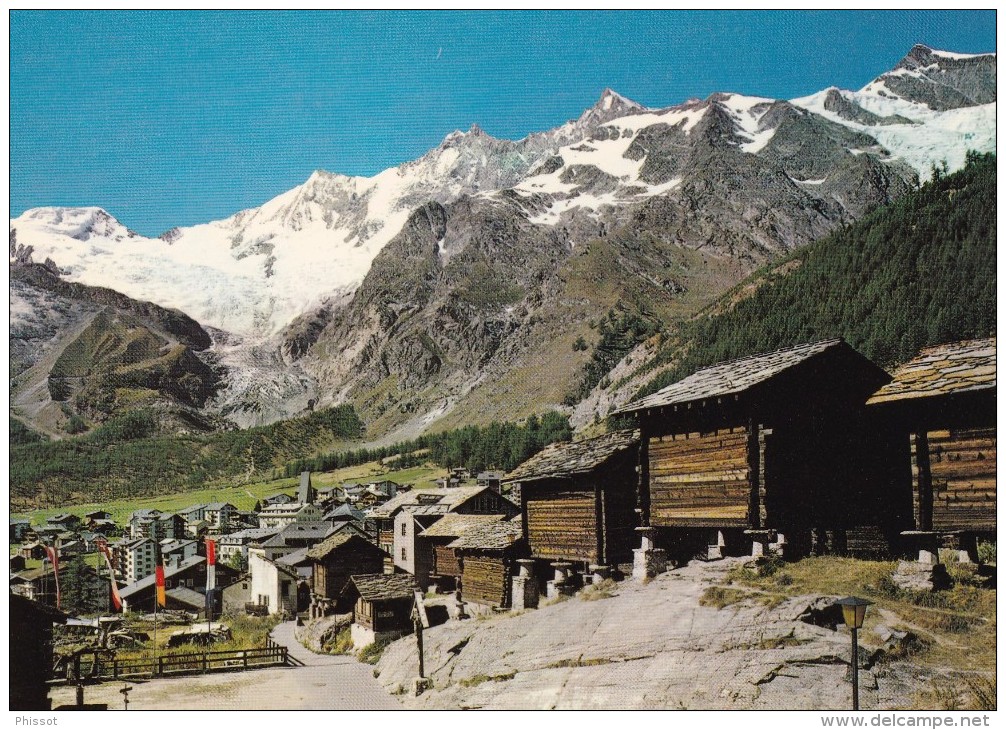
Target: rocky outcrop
650 646
853 112
943 80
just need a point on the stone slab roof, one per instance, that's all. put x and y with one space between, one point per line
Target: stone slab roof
384 587
451 497
576 457
490 536
456 525
334 542
958 367
346 511
307 530
731 377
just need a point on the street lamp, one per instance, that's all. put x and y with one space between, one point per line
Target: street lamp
854 611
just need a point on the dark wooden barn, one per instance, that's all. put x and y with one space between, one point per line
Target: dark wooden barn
31 652
334 560
577 499
943 405
382 606
774 443
487 554
445 570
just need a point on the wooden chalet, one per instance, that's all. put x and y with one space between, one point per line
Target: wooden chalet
577 499
943 406
382 606
486 554
445 567
777 443
333 561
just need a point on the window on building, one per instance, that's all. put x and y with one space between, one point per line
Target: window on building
403 554
403 529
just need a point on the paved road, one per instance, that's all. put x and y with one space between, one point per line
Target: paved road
323 683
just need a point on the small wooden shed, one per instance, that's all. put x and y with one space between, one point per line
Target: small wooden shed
382 606
446 566
777 442
334 560
486 555
943 405
577 499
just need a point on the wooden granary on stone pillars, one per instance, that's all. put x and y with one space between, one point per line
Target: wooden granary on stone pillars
772 452
577 502
942 405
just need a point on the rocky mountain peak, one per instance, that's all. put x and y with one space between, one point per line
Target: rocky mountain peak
941 80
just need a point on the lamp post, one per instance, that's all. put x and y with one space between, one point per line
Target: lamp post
854 611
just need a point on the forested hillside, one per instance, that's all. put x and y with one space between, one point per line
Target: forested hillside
499 446
123 458
918 272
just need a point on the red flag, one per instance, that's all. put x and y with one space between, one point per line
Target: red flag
211 565
54 559
159 575
107 554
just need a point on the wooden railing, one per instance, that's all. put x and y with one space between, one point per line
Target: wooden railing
231 660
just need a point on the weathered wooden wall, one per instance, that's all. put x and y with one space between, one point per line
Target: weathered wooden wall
962 471
386 534
484 579
699 479
445 561
332 574
562 523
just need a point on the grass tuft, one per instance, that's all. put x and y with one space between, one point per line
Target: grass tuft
371 653
478 679
599 591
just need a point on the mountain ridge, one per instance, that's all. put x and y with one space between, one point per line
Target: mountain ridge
304 306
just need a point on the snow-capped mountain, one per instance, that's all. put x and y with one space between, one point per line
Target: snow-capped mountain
312 275
254 272
934 106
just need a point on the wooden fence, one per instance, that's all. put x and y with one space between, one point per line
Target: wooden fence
169 665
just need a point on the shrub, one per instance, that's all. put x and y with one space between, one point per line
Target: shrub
987 553
341 644
371 653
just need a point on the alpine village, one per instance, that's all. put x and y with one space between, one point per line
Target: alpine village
656 453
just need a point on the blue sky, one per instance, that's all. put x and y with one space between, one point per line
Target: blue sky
176 118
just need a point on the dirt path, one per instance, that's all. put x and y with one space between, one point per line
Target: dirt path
323 683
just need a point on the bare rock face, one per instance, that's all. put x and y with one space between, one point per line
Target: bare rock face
913 576
944 81
315 634
853 112
648 647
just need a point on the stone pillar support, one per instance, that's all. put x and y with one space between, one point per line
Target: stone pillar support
599 573
525 588
561 584
459 607
647 560
716 543
926 573
925 543
778 546
760 541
